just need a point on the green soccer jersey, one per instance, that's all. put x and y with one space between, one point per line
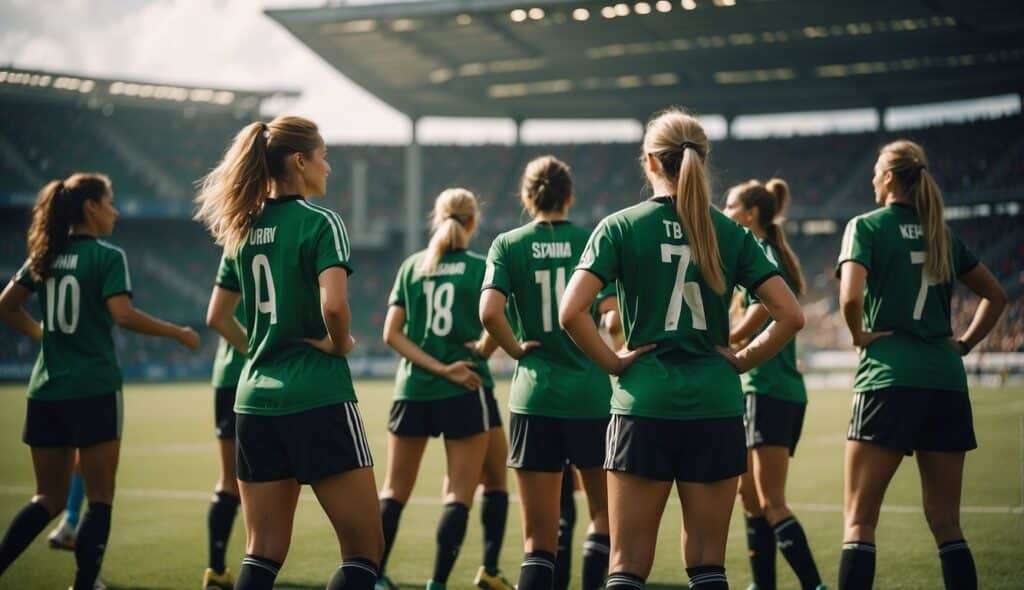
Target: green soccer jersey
227 365
276 270
441 316
531 265
77 357
664 300
778 376
899 296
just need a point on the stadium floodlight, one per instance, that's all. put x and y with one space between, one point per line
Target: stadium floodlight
642 8
463 20
689 4
622 9
725 2
663 6
518 15
581 14
536 13
608 12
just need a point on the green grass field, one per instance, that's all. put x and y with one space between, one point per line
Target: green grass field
168 468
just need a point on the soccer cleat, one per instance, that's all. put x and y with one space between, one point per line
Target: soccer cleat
214 581
384 583
486 581
97 585
62 537
432 585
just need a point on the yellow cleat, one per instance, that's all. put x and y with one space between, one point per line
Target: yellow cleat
486 581
214 581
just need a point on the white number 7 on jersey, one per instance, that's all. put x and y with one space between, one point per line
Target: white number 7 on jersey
917 257
681 290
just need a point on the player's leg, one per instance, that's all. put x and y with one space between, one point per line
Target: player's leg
770 466
465 459
52 466
706 508
220 518
99 469
941 484
597 546
64 534
635 507
404 456
350 501
760 537
494 508
868 470
269 512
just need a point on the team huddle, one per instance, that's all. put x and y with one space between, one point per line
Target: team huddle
699 309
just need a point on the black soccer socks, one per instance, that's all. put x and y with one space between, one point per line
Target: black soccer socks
493 515
25 527
93 534
792 542
761 547
624 581
450 533
219 521
390 513
707 577
354 574
257 573
537 571
958 566
595 560
857 566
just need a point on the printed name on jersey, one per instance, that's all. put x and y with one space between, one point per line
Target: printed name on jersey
449 268
66 262
262 235
673 229
552 250
911 231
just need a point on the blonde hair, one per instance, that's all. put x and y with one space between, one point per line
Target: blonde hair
57 208
454 210
771 199
909 166
546 185
232 195
679 143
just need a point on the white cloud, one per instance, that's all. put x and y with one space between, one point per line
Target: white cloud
226 43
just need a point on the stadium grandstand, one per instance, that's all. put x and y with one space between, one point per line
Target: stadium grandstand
552 59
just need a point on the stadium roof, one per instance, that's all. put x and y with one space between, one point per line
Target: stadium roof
585 59
38 84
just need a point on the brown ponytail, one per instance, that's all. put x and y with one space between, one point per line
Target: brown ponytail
771 200
909 167
454 210
58 207
678 141
232 195
546 185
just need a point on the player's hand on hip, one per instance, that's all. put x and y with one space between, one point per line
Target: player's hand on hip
863 339
627 357
462 373
188 338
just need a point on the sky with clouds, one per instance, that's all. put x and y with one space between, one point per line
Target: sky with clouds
230 43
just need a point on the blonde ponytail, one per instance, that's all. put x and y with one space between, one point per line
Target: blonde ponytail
909 167
677 139
455 209
232 195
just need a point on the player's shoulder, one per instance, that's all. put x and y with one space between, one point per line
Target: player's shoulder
107 249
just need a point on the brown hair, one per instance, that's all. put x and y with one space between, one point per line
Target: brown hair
771 200
57 208
454 210
679 143
909 166
232 195
546 185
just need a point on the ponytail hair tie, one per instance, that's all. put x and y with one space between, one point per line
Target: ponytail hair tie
456 219
689 144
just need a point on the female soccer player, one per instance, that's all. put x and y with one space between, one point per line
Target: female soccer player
776 399
227 367
74 395
443 386
297 421
676 412
910 392
559 398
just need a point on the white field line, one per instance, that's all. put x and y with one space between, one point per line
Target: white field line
153 493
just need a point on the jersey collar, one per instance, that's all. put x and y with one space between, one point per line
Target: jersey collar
552 223
76 237
283 199
663 198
